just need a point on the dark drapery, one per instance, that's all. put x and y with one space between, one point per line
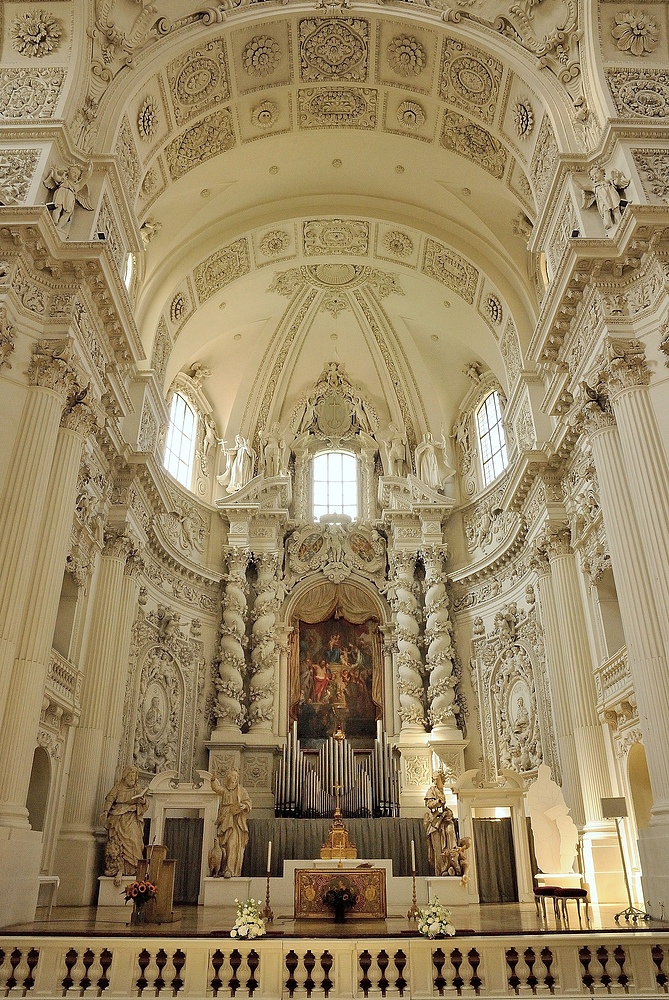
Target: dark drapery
378 838
495 860
183 838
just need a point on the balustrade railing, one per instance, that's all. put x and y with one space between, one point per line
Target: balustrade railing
634 963
64 679
613 680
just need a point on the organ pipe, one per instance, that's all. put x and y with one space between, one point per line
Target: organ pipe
304 783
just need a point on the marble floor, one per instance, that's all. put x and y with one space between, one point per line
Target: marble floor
195 921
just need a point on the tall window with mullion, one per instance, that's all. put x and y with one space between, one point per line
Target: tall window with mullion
491 438
335 484
180 445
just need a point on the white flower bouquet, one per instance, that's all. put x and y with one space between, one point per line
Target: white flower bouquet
435 921
249 922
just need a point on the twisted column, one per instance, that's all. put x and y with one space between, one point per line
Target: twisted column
410 670
439 659
265 650
229 681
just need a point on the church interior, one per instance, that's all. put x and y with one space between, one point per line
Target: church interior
334 498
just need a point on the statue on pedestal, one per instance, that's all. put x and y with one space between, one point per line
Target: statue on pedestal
123 815
232 829
439 825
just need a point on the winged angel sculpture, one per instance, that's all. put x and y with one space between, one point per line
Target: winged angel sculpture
608 194
70 187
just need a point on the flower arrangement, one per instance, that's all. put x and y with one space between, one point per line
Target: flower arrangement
435 921
249 922
340 895
140 892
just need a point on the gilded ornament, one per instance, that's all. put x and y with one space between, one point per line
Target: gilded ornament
635 32
265 114
523 118
36 33
261 56
406 56
274 243
398 243
410 115
147 119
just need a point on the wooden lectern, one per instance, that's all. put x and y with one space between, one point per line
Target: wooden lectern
157 867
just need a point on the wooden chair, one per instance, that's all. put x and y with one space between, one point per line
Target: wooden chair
562 896
543 892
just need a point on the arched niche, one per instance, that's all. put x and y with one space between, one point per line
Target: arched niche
336 672
38 789
639 779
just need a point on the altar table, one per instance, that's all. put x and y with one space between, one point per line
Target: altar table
312 883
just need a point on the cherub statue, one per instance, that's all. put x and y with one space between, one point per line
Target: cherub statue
607 193
69 186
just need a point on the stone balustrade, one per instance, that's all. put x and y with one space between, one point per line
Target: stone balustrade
566 965
613 680
64 681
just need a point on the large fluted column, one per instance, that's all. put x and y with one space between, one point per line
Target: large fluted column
20 848
77 855
627 377
265 651
559 687
52 380
439 658
22 712
577 666
637 587
229 684
599 842
407 637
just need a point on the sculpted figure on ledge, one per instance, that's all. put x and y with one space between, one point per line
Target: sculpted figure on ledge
439 826
123 815
234 804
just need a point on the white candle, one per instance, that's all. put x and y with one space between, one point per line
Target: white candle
269 856
413 858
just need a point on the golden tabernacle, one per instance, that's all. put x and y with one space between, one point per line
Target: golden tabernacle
369 884
338 844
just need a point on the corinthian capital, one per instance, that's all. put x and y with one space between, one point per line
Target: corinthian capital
51 366
557 541
79 415
119 542
625 366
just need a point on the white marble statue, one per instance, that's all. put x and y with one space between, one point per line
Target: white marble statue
273 453
123 815
234 803
554 831
439 826
397 451
69 188
240 462
606 193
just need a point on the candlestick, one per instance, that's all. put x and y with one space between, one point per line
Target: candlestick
269 857
413 858
267 913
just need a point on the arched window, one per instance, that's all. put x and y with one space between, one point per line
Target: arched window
491 438
335 484
180 446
